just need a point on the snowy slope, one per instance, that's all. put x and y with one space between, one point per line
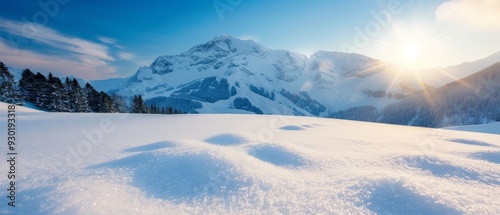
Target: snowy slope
492 128
247 164
107 85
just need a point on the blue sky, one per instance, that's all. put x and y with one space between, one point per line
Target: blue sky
102 39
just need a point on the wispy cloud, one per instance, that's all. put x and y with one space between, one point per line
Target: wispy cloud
249 37
480 13
84 66
79 57
107 40
50 37
126 56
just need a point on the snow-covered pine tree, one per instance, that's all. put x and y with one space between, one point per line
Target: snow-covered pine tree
27 86
119 103
153 109
80 99
50 105
55 94
93 98
68 98
41 91
106 103
138 105
9 91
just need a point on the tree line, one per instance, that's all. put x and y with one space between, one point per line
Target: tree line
54 95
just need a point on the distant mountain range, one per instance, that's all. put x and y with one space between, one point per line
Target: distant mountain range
229 75
471 100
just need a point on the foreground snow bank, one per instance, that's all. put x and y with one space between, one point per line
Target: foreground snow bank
247 164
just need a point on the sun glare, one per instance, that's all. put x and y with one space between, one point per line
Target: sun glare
410 54
412 51
409 47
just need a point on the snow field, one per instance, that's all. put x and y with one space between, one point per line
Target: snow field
248 164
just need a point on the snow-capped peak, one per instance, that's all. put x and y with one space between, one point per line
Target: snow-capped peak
228 73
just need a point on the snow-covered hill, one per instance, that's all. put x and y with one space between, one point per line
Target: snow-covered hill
229 75
491 128
246 164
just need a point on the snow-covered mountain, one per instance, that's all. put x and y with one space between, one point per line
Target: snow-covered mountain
229 75
438 77
472 100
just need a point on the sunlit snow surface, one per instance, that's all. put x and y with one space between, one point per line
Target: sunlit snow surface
246 164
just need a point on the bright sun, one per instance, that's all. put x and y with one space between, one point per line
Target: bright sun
411 51
410 47
410 54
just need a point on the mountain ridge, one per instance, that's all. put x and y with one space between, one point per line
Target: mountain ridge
229 75
468 101
245 71
286 74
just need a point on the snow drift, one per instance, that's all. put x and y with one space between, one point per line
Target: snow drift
247 164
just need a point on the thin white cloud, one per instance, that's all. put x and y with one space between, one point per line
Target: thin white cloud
144 62
249 37
50 37
83 66
126 56
107 40
480 13
80 57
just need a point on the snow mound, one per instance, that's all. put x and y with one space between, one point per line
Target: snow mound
470 142
181 177
447 170
246 164
151 147
493 157
227 139
394 197
292 128
277 155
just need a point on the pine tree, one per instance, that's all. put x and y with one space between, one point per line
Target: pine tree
62 103
42 91
106 103
9 92
119 104
138 105
93 98
27 86
69 99
81 102
56 95
153 109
